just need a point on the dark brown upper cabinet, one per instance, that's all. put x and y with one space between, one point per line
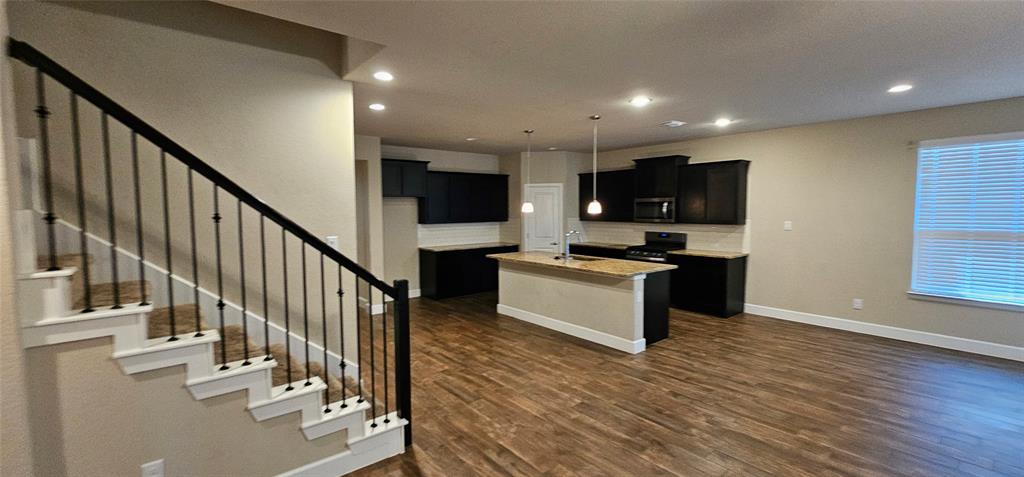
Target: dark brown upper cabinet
656 176
712 193
615 191
461 197
401 178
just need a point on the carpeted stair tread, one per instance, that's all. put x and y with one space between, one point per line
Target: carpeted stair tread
184 320
103 293
280 373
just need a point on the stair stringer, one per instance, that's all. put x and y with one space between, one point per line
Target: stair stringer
136 353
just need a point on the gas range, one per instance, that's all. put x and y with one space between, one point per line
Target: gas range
657 246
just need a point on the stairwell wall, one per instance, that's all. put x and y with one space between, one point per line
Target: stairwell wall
258 99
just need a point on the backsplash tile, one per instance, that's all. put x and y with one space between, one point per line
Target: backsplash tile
457 234
732 238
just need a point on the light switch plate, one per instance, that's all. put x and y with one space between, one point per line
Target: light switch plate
858 303
153 469
787 225
332 240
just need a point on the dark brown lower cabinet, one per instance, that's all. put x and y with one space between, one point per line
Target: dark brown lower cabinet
715 286
450 273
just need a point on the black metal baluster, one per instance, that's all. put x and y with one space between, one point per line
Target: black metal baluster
384 344
287 313
373 368
195 259
220 279
263 270
305 312
138 219
323 314
167 246
241 277
80 192
111 215
341 338
359 347
43 113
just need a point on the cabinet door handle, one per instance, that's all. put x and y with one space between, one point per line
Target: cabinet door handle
554 243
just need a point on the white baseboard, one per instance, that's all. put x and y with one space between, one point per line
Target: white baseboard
611 341
986 348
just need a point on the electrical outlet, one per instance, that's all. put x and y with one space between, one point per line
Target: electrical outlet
153 469
787 225
858 303
332 240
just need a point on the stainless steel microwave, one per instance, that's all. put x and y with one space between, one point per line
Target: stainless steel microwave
660 209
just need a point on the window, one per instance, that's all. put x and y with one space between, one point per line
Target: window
969 220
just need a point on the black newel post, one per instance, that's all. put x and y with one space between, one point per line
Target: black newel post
403 371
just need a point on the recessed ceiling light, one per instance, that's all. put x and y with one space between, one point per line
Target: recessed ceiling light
471 139
552 148
673 123
723 122
383 76
378 107
900 88
640 101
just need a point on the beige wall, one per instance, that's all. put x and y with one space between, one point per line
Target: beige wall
257 99
512 165
368 152
400 244
848 187
16 454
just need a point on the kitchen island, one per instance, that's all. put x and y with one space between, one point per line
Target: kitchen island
622 304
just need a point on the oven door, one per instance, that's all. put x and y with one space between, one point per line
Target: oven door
655 210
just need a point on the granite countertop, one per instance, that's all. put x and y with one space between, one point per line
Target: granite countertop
616 246
709 253
609 267
467 246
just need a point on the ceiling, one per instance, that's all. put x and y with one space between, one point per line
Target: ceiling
491 69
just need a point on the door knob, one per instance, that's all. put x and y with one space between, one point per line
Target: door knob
554 243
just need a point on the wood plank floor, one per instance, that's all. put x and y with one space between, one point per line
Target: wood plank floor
744 396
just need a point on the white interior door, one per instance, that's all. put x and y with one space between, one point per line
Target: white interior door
543 228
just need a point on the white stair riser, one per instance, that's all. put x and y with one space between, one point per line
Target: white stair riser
350 418
43 298
310 405
198 361
372 449
256 383
128 331
374 435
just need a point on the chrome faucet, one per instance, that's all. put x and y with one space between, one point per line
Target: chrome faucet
568 236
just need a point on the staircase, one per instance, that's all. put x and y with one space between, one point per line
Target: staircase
349 379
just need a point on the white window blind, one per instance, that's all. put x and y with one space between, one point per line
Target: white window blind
969 219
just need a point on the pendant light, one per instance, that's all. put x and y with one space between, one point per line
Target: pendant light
527 205
594 207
